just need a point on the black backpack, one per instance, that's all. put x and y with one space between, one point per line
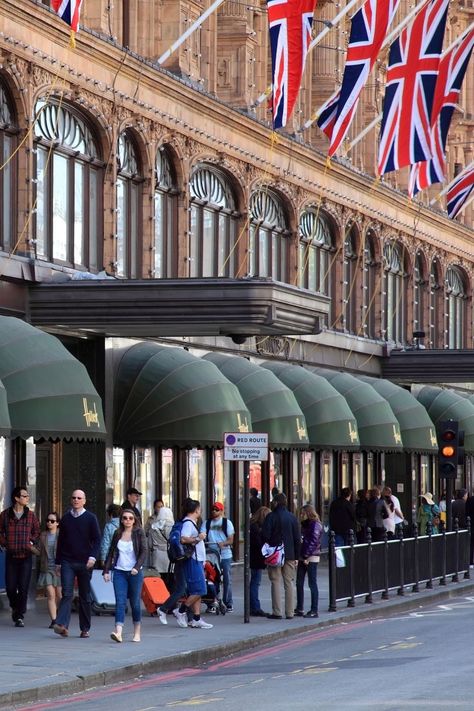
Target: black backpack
224 526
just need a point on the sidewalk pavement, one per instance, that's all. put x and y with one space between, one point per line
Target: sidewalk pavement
37 664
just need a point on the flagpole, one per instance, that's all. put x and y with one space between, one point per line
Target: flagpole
330 24
197 23
375 121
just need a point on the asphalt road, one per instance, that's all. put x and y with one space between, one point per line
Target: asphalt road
417 660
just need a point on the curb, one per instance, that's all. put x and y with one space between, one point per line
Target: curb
377 609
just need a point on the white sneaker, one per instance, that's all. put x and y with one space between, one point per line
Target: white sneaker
182 617
200 624
162 617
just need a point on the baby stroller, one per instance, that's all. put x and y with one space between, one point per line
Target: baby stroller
213 575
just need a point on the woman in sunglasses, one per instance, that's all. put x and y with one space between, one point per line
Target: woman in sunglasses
48 578
126 557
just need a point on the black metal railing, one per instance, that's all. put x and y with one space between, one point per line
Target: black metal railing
367 569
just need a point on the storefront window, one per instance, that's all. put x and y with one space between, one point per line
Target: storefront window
119 475
357 473
221 478
307 477
256 476
144 480
196 479
30 481
167 477
327 489
4 483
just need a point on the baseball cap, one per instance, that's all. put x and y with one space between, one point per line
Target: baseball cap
132 490
218 505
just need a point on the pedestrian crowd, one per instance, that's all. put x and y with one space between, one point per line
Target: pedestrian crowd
72 551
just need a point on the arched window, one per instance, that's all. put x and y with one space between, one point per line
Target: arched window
455 312
213 225
166 206
8 174
394 311
268 236
419 293
129 183
436 294
369 281
314 249
349 289
69 185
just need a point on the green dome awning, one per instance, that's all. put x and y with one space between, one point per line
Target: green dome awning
329 419
378 427
418 431
5 426
168 397
444 404
49 392
272 406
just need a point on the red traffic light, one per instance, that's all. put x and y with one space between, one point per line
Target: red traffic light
448 435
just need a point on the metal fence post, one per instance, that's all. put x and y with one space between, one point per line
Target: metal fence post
429 531
467 574
401 589
351 601
332 572
385 565
416 587
442 529
455 578
368 597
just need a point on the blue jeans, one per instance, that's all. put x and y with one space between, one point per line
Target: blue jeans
255 580
69 571
17 582
179 588
128 586
227 581
312 570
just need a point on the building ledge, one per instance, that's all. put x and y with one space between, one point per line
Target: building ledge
174 307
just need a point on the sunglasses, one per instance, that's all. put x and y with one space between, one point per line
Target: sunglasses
214 508
128 518
51 520
77 497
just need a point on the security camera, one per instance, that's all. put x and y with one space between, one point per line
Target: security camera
238 339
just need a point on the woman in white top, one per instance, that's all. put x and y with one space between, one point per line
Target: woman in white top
126 557
389 516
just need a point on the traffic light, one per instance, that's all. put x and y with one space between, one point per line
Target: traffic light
451 452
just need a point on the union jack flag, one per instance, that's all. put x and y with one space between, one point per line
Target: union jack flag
411 81
368 30
68 10
290 23
460 191
452 68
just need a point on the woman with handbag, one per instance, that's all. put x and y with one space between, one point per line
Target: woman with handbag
158 535
428 512
126 557
48 578
311 531
257 562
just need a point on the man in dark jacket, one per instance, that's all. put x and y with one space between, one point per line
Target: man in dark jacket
342 517
458 508
281 526
131 502
19 532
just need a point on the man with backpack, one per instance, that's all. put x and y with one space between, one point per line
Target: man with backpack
220 536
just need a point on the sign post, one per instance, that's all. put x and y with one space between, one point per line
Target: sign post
246 447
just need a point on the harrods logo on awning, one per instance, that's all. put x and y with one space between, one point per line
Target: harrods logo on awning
243 426
353 432
91 416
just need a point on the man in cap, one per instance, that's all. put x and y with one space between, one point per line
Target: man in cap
131 502
220 534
